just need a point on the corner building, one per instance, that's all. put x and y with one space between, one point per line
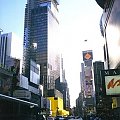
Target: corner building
110 30
41 28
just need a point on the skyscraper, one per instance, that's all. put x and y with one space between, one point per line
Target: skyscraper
41 30
8 42
97 67
87 86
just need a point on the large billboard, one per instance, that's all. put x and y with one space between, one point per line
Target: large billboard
34 72
111 82
87 55
88 73
88 82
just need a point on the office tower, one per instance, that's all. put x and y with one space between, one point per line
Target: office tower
87 81
10 45
97 67
41 28
82 77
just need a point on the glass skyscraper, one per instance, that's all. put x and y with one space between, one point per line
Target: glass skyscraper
41 29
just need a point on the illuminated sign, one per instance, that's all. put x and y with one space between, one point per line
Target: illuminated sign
87 55
112 85
111 82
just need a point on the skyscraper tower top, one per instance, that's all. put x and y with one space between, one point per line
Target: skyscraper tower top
38 3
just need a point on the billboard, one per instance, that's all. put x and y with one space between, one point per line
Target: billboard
88 91
111 82
112 85
23 94
87 55
34 72
88 73
88 82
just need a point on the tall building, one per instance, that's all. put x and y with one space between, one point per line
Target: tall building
62 85
62 71
13 86
97 67
110 30
86 79
10 45
41 28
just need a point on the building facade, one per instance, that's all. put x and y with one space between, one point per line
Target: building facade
87 83
41 30
110 30
8 42
16 92
97 67
63 88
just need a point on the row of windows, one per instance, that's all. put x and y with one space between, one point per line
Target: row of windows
108 9
40 23
3 44
34 69
39 10
39 17
39 32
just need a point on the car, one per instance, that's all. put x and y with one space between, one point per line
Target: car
71 117
50 118
59 118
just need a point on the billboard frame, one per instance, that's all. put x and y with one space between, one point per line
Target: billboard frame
109 72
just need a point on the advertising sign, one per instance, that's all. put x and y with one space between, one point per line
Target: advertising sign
87 55
88 63
89 90
22 94
112 85
111 82
34 72
88 73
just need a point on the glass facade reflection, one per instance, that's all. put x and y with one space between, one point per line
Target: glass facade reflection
40 40
111 28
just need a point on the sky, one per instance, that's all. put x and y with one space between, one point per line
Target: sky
79 21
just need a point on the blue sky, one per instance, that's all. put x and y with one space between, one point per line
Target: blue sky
12 16
79 20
